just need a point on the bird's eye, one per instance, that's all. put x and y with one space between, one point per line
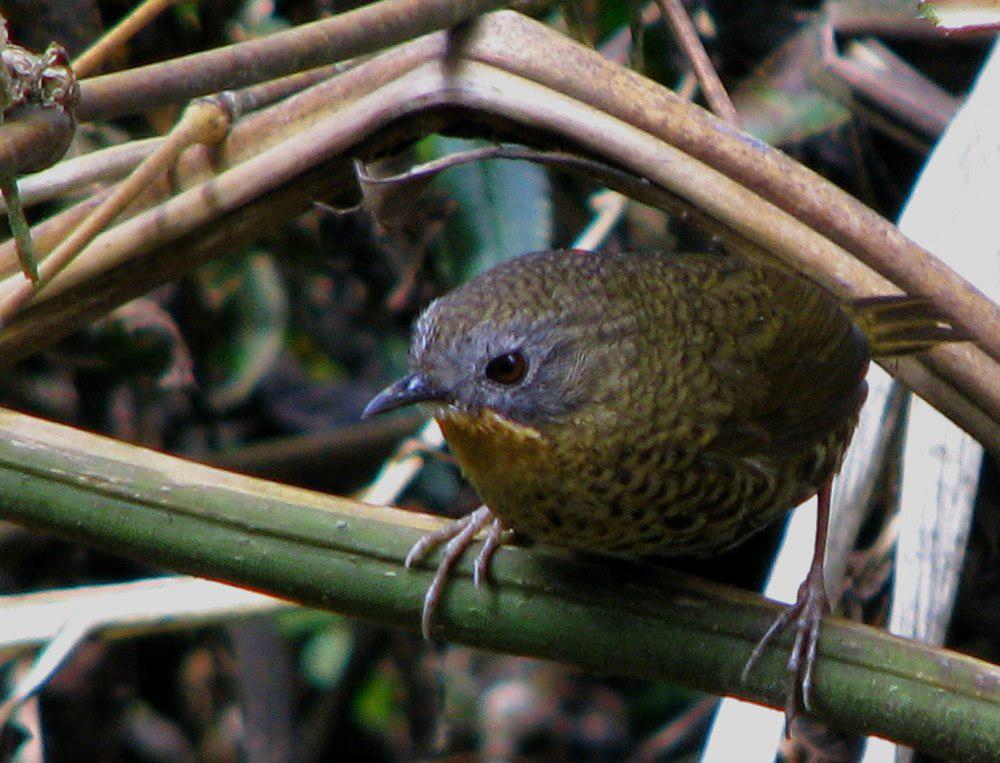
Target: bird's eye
508 368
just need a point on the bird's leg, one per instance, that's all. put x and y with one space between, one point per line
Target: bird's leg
811 604
458 536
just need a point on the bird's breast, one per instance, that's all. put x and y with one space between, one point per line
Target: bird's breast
656 494
494 452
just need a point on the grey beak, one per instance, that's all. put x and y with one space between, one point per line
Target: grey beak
415 388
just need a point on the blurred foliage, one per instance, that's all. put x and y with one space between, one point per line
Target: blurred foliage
252 306
506 209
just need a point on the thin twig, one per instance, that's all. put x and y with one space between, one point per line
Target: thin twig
92 58
666 740
617 46
111 163
35 144
46 235
346 35
687 37
49 661
249 137
608 206
20 229
399 469
637 33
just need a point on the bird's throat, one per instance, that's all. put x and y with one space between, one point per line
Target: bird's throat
491 448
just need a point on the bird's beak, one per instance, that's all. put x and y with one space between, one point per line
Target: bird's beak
415 388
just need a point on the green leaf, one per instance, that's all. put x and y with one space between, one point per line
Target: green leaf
788 98
377 703
253 320
505 210
325 655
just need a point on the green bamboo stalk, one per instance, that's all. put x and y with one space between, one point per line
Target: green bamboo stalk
606 615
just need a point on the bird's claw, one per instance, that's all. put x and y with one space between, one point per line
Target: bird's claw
457 536
494 539
805 615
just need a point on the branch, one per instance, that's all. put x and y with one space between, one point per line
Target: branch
606 615
363 30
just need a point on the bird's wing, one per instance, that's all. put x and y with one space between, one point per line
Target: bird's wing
790 364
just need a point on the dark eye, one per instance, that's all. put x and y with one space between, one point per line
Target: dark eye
508 368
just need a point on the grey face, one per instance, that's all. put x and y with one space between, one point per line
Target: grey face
526 369
531 340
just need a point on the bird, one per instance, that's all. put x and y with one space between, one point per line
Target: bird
649 403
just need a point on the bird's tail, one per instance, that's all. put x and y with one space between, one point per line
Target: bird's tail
902 325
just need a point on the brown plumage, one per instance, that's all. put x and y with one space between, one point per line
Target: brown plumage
644 403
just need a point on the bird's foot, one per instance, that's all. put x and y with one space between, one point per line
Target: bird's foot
457 536
805 616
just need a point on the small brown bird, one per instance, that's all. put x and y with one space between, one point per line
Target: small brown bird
641 403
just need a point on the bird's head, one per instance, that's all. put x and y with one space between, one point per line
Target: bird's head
520 341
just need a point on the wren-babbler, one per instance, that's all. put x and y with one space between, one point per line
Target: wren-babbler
649 403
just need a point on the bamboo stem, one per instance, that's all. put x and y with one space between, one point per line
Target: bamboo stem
347 556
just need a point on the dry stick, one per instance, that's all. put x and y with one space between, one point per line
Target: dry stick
92 58
46 235
794 188
115 161
611 205
251 135
205 121
161 250
34 145
226 192
346 35
678 731
616 47
636 53
968 368
519 44
687 37
492 91
106 164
